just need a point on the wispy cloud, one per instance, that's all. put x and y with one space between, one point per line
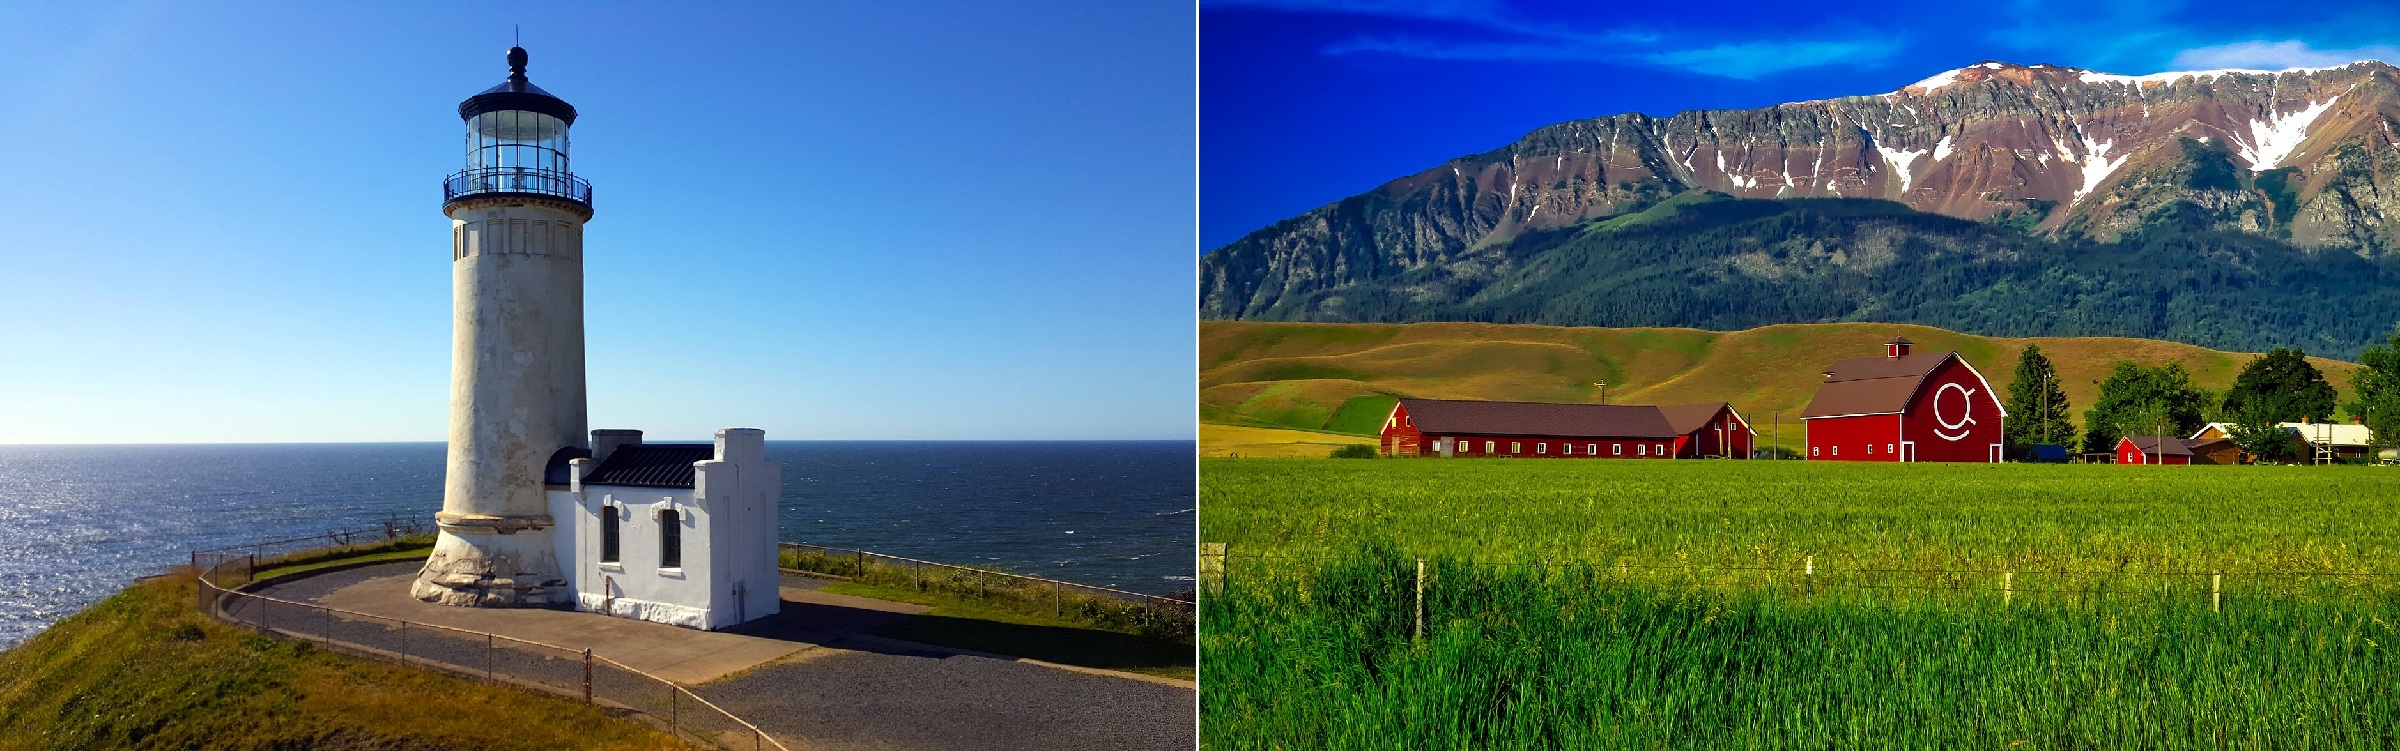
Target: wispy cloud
1751 60
2266 55
1486 11
1490 30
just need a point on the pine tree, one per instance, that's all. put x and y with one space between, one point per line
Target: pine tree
2378 388
2281 386
2037 406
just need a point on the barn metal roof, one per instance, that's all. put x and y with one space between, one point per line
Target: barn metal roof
652 465
1538 419
1872 385
1685 418
2149 444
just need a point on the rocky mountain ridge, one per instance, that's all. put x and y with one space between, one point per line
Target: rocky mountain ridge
2303 157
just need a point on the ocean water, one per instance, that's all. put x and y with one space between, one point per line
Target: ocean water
87 520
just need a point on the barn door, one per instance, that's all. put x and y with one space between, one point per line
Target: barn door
1908 451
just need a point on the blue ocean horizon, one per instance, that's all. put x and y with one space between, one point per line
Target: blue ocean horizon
92 518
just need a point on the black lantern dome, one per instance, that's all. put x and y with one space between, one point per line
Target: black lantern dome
517 143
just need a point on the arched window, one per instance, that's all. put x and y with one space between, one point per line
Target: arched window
608 534
670 539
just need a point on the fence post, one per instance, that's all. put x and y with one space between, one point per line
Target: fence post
404 643
587 675
328 625
1059 598
1212 567
2216 592
920 567
862 565
2008 588
674 717
1420 636
487 659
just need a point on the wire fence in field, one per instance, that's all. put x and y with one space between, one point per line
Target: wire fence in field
1117 609
476 655
1220 562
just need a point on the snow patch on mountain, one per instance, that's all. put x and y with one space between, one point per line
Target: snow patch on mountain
1941 150
2097 166
2274 138
1900 159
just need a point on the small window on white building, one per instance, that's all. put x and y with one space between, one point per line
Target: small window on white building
670 539
609 534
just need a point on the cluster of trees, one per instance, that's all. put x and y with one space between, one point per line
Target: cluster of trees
2278 387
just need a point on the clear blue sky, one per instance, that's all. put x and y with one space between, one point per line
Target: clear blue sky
1304 102
221 222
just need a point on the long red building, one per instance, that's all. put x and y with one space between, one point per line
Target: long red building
1905 407
1447 427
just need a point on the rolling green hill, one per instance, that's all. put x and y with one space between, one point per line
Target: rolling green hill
1341 377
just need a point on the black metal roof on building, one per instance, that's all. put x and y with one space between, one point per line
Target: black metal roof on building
516 93
652 465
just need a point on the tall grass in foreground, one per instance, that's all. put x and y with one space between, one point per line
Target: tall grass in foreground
1538 656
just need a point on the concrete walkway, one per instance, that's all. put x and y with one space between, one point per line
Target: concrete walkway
690 657
811 676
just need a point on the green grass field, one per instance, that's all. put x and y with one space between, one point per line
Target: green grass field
1672 605
145 670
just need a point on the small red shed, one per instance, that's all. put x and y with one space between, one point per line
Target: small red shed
2151 449
1904 407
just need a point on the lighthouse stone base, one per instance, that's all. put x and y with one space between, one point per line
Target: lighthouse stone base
488 568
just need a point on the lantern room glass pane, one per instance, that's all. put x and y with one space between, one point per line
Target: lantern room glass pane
517 140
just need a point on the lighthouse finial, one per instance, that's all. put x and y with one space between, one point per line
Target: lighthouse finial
516 64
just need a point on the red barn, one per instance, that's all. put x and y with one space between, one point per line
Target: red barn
2150 449
1446 427
1904 407
1713 429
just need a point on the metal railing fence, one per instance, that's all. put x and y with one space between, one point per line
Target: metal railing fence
1154 615
476 655
2005 584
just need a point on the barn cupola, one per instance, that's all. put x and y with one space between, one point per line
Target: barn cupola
1896 348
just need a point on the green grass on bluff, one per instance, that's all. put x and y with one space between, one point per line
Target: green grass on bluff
144 670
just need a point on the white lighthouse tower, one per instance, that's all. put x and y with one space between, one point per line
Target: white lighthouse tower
516 370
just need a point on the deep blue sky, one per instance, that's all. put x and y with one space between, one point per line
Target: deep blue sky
222 221
1304 102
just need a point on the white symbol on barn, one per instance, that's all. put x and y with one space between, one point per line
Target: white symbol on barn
1966 403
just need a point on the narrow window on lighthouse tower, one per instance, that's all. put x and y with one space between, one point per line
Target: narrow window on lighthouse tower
670 539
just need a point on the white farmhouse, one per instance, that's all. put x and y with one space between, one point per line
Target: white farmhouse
678 533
